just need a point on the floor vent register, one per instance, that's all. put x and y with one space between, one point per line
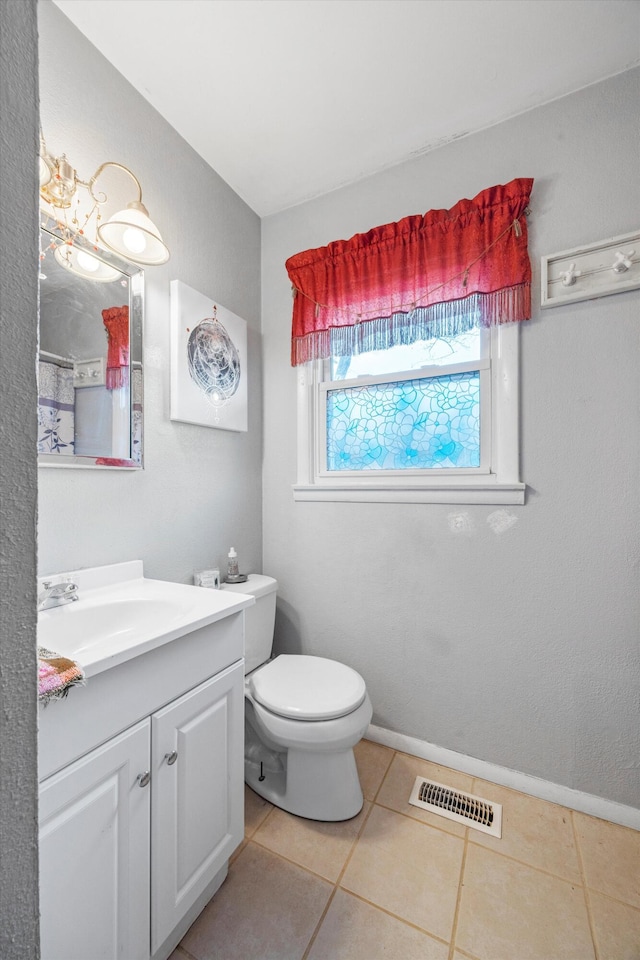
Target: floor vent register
454 805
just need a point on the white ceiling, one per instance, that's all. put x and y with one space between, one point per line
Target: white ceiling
288 99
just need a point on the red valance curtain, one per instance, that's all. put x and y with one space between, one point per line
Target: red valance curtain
424 276
116 321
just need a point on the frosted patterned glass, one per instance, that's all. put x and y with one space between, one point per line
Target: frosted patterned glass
409 424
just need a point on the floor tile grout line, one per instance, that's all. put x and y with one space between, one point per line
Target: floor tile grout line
362 899
384 776
466 955
238 850
318 925
570 813
253 839
395 916
250 836
525 863
294 863
307 869
183 950
424 823
587 898
476 843
608 896
456 912
336 885
266 817
355 843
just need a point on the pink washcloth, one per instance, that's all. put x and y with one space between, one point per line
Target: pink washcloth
56 675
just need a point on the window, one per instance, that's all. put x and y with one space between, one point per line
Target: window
407 408
435 421
406 340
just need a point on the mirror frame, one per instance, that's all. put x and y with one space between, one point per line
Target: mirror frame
135 273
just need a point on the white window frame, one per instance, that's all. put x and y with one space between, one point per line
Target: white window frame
496 481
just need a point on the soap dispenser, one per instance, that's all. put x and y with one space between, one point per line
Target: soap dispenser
232 564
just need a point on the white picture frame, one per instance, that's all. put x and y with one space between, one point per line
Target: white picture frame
208 361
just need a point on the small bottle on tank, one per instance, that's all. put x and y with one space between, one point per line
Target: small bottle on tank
233 571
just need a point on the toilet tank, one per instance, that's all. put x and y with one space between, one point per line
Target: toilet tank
259 620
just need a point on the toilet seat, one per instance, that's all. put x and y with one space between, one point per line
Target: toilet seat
307 688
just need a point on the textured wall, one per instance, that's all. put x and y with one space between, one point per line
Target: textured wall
200 490
18 476
517 647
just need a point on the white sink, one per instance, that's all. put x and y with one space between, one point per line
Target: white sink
121 614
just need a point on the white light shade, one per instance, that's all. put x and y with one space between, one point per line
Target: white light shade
44 172
84 264
134 236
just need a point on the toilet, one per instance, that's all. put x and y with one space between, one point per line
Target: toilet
303 717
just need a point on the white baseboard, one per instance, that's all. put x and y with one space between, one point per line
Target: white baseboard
543 789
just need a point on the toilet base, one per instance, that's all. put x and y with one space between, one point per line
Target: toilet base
305 767
318 786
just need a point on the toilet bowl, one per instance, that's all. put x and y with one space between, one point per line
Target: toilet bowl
303 717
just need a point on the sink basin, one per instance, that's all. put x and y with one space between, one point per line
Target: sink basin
122 614
79 627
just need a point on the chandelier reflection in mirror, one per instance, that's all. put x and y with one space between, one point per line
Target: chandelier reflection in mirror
130 232
213 360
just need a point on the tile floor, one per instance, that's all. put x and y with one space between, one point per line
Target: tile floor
398 883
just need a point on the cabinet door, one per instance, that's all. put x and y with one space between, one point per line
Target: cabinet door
197 799
94 854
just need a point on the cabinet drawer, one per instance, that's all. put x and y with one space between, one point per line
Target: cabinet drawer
115 699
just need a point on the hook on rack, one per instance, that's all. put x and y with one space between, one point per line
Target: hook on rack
622 262
569 276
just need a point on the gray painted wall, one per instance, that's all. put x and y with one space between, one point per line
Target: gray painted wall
518 648
18 474
200 490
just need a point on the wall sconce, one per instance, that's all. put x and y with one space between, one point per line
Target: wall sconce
82 263
130 232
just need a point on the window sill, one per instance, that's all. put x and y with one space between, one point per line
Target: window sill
476 492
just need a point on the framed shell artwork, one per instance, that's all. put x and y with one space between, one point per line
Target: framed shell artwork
208 361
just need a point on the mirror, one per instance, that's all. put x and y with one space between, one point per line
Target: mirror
90 356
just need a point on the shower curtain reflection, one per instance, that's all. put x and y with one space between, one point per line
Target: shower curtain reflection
56 408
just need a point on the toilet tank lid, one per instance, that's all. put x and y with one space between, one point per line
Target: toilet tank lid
256 585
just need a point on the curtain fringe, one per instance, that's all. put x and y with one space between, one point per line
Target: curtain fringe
449 319
117 377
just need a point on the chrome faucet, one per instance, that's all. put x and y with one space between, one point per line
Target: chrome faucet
55 594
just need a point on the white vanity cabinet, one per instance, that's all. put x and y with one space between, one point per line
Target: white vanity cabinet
196 819
136 832
94 854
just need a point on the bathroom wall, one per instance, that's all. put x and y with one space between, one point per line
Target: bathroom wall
200 490
18 474
511 635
